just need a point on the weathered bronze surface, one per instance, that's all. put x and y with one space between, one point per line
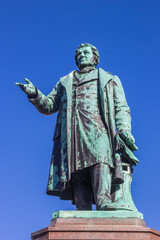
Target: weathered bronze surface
92 138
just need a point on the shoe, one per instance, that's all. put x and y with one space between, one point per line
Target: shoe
107 207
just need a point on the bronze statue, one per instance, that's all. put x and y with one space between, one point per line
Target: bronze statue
92 134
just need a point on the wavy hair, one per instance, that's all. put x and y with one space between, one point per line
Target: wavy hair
94 50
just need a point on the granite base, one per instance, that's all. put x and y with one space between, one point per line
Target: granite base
78 225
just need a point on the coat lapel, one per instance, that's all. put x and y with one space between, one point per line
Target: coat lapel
104 77
67 81
67 84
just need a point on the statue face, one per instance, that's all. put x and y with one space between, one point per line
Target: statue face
85 57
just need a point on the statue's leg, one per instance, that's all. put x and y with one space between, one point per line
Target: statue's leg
82 189
101 184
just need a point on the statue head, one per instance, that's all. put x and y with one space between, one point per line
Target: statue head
86 55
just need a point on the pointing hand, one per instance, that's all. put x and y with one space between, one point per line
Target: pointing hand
28 88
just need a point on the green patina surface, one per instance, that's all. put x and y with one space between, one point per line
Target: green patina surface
108 143
97 214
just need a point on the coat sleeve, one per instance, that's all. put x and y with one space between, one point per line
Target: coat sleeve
122 111
49 104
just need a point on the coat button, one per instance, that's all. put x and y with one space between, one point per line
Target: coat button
88 107
87 96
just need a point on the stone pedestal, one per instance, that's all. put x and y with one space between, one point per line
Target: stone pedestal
96 225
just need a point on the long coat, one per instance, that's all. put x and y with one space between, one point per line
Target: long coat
115 113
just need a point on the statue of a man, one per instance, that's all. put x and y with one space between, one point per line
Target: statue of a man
92 115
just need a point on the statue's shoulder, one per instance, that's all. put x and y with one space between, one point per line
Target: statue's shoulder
107 77
69 75
66 81
110 74
105 73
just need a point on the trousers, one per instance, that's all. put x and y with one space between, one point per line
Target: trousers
92 182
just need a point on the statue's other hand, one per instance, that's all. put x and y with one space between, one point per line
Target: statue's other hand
28 88
129 139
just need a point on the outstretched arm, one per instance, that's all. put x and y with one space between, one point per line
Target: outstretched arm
46 105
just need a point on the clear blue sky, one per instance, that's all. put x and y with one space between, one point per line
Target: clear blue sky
38 41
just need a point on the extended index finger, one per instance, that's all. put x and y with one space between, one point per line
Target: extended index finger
18 84
21 85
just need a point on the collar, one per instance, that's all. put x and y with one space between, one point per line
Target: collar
87 69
